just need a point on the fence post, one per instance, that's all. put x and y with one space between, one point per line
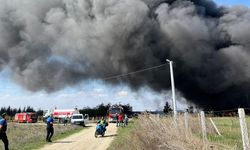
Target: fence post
199 119
216 129
186 124
243 126
158 115
203 126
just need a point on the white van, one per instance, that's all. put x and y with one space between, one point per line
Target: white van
80 119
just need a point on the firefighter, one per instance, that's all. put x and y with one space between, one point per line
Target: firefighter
3 129
50 128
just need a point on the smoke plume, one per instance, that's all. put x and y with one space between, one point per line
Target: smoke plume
49 45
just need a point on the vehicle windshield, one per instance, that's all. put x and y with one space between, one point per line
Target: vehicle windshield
85 116
77 117
115 110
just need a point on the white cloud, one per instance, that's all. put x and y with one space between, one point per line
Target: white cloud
123 94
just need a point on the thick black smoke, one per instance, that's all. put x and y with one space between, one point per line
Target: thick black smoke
53 44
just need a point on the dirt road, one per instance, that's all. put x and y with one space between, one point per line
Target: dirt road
84 140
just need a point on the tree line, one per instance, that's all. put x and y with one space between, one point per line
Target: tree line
102 110
99 110
12 111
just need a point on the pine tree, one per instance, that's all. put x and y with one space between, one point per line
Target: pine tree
167 109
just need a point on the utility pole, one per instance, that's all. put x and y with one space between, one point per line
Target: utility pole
173 87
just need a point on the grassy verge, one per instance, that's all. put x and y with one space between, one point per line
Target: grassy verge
122 140
151 132
32 136
229 127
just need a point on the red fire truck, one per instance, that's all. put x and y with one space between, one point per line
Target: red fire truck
26 117
113 111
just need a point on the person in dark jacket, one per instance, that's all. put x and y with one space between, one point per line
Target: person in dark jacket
50 128
116 119
3 129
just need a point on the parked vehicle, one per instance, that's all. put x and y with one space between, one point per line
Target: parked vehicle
60 115
79 119
113 111
26 117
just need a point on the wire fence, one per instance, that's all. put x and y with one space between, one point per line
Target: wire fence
224 129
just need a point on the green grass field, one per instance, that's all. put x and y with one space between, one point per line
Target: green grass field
229 127
32 136
123 134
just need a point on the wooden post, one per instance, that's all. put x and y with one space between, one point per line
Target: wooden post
158 116
203 126
199 119
216 129
186 124
244 132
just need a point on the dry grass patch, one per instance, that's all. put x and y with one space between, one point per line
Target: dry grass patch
32 136
163 133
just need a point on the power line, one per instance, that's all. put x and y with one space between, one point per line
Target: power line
227 110
134 72
218 111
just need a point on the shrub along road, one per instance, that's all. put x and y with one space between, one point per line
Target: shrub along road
84 140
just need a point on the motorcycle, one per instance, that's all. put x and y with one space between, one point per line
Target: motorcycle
100 130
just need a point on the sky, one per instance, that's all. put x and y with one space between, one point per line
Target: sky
87 94
90 93
233 2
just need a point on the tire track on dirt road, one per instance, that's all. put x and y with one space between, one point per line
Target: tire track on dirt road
84 140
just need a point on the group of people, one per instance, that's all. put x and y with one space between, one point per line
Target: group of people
121 121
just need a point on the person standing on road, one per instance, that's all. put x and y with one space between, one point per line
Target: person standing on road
120 119
116 119
50 128
125 122
65 120
3 129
